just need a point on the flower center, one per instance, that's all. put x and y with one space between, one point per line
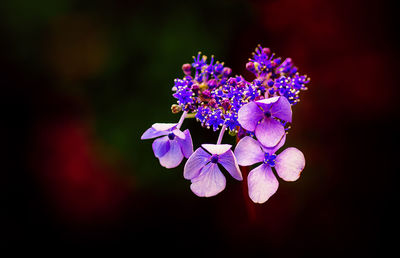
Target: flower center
171 136
267 114
269 159
214 158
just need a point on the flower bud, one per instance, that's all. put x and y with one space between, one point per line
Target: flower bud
232 82
213 103
187 68
206 94
241 84
212 83
250 67
266 51
195 87
225 103
226 71
175 108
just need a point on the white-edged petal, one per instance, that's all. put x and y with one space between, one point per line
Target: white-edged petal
210 182
195 163
173 157
262 183
289 164
248 151
216 148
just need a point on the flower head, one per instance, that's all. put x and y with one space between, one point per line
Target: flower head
258 112
173 146
262 183
203 171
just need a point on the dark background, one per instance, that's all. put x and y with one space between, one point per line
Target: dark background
82 80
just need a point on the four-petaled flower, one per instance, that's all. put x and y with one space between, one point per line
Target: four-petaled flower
260 117
171 148
262 183
203 171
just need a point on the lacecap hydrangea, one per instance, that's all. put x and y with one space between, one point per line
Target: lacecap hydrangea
258 113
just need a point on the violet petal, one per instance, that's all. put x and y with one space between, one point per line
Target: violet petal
266 104
156 130
269 132
276 148
249 115
262 183
216 148
161 146
173 157
248 152
163 126
195 163
178 133
229 162
186 144
282 109
210 182
289 164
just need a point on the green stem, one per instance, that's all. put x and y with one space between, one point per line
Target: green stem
192 115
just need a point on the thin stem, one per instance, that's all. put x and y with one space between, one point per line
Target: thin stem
181 119
192 115
221 134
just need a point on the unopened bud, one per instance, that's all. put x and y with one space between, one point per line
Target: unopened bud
175 108
213 103
250 67
212 83
266 51
206 94
226 71
195 87
187 68
225 103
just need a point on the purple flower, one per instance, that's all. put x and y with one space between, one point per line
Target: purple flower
259 117
262 183
171 148
202 169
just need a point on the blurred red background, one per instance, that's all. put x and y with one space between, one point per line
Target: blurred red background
78 91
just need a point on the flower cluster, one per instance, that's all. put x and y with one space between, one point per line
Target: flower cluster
257 112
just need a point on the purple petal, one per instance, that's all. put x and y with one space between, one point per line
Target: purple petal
228 161
269 132
195 163
216 148
179 134
262 183
289 164
248 152
163 126
161 146
173 157
282 109
276 148
266 104
186 144
156 130
210 182
249 115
